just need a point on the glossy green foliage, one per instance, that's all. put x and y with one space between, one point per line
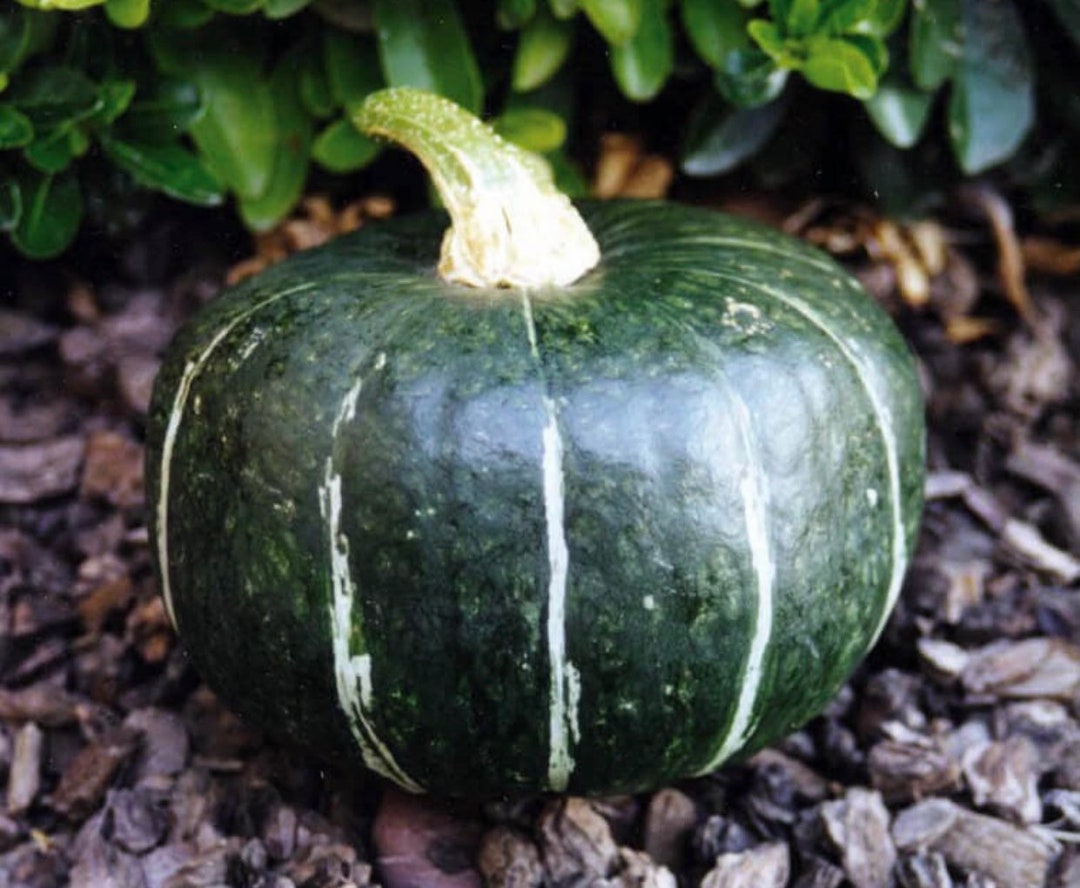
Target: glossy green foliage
209 101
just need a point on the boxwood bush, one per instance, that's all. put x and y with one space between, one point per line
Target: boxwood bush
105 101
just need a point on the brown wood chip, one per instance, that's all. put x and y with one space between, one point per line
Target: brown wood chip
923 870
113 469
137 819
135 376
85 781
766 866
1003 777
20 333
508 859
45 704
24 773
422 844
161 864
809 784
624 170
858 825
33 472
1035 667
818 873
25 423
164 747
576 841
636 869
998 213
1036 369
103 864
1056 473
911 766
976 843
669 820
1025 541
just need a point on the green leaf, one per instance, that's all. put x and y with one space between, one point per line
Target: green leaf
22 33
279 9
170 169
342 148
182 15
535 129
563 9
802 17
89 47
13 30
163 111
643 64
720 138
512 14
873 48
15 128
1068 13
351 62
292 158
234 7
314 83
768 37
899 112
52 208
54 96
779 11
886 18
542 48
423 43
10 204
839 65
841 16
128 13
616 20
935 41
714 29
569 178
116 97
65 5
992 102
237 133
53 151
748 77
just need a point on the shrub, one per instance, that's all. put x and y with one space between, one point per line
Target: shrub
102 101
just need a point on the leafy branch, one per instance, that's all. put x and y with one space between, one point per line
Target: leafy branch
212 100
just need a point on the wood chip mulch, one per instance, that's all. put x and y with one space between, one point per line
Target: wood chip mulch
952 758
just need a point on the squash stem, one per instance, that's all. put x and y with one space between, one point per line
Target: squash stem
509 225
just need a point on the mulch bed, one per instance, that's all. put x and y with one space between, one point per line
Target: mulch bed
951 758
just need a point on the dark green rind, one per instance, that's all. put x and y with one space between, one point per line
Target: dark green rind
444 508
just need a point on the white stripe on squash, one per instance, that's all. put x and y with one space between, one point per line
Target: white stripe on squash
183 389
863 365
352 674
864 369
565 681
754 490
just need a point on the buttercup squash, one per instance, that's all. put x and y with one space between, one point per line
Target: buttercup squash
558 514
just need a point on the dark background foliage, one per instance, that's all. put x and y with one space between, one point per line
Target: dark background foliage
106 103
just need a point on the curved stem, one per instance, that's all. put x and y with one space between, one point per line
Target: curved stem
509 225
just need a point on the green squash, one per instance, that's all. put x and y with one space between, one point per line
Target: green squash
586 537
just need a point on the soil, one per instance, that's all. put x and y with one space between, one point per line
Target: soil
951 758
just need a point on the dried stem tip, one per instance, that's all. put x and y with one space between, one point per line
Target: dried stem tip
509 225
